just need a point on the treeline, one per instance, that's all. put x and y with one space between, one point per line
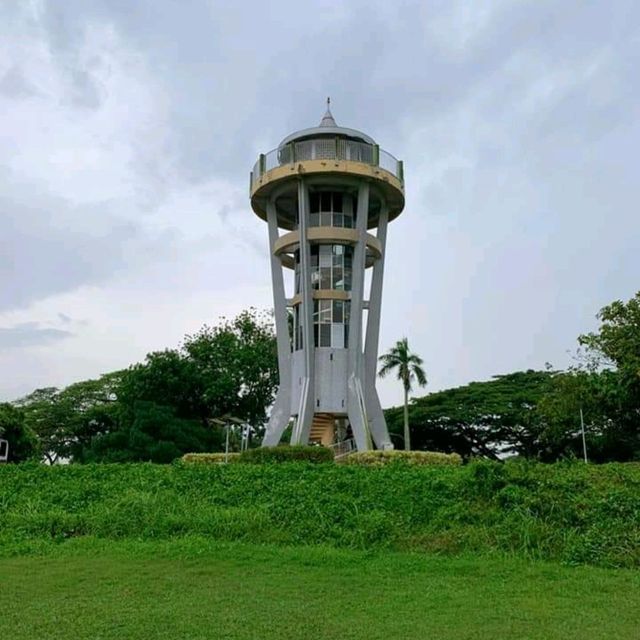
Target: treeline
540 414
173 402
157 410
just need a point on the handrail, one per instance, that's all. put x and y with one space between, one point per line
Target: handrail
343 448
326 149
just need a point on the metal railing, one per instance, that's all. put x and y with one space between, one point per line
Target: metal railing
327 149
344 448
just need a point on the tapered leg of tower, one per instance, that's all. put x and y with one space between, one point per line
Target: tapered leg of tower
356 406
377 422
306 398
281 410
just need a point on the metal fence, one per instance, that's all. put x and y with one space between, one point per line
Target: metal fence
327 149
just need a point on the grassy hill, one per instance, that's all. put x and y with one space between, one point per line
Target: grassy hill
575 513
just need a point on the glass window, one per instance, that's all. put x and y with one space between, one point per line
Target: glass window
338 311
325 255
338 278
337 336
314 202
325 201
325 311
325 277
337 203
325 335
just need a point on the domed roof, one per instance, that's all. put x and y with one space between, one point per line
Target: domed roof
328 127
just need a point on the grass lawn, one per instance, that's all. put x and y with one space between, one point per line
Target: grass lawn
191 589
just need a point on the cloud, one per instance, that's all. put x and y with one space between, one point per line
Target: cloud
128 131
30 334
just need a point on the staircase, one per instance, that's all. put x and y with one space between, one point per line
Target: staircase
322 429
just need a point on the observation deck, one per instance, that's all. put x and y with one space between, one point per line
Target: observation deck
327 150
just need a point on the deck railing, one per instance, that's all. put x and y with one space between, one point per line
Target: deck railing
327 149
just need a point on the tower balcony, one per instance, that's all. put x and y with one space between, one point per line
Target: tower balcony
328 155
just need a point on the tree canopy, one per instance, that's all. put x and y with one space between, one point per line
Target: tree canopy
164 407
171 403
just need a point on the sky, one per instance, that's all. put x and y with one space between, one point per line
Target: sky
128 130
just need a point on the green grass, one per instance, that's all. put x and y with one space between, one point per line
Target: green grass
574 513
192 589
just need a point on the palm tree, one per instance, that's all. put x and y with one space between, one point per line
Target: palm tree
409 366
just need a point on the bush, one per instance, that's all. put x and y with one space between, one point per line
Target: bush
380 458
209 458
285 453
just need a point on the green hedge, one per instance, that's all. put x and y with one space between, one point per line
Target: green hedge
285 453
381 458
574 512
210 458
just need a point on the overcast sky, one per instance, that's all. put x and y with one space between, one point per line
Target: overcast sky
128 129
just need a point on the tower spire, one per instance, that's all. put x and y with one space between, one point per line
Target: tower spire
327 119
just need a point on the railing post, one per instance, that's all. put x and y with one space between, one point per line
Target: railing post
338 149
376 155
292 152
400 170
263 163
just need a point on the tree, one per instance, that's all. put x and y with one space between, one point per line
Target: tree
67 420
409 367
23 444
237 361
164 407
151 433
489 419
613 352
167 405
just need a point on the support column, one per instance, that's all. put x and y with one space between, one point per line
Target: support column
374 409
281 410
302 428
356 407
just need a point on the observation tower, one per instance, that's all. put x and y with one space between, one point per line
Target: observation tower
328 194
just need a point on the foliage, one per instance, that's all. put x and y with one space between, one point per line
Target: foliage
150 432
572 512
286 453
409 367
613 356
66 421
210 458
22 442
481 418
381 458
166 406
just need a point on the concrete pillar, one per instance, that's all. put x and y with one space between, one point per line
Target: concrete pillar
356 407
307 392
281 410
374 409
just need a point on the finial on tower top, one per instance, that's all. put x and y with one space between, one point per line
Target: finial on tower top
327 120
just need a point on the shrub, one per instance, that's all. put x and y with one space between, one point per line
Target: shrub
209 458
285 453
380 458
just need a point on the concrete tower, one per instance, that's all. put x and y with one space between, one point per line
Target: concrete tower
321 191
